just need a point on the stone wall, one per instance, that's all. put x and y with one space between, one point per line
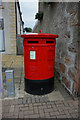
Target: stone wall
8 13
62 19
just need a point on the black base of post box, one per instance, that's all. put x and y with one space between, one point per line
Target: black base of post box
39 87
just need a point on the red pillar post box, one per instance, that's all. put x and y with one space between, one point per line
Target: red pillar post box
39 58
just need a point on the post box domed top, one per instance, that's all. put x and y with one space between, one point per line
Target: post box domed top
39 35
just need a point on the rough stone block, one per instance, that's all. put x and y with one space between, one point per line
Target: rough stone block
77 60
62 67
73 47
66 82
75 88
67 61
72 73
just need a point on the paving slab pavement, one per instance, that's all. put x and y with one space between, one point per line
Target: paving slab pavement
57 104
21 108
